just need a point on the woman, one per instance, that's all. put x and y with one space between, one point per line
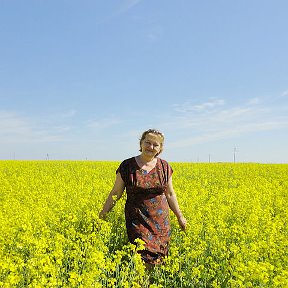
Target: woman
150 193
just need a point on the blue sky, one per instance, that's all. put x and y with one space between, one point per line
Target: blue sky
83 79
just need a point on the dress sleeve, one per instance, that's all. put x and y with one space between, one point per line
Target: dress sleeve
123 169
169 170
166 170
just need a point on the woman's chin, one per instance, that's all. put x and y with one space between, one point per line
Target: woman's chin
150 153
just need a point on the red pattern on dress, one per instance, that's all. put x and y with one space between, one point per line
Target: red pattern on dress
146 209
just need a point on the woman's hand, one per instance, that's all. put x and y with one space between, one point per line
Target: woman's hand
113 196
173 204
102 215
182 222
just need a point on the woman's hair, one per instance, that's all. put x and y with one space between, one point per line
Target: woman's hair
155 132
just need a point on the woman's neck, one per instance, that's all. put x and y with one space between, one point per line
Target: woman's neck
145 160
146 163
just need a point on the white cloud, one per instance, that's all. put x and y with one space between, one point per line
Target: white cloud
214 120
202 107
231 114
228 132
127 4
10 123
103 123
209 105
155 32
253 101
62 128
285 93
69 114
17 129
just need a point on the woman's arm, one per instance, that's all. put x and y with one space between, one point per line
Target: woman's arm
113 196
173 204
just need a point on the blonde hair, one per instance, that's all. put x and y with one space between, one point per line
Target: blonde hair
155 132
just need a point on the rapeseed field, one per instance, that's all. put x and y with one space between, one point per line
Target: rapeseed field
51 236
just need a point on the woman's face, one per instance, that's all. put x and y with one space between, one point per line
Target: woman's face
151 145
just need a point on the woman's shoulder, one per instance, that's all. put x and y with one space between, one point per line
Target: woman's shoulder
165 165
127 163
127 167
163 162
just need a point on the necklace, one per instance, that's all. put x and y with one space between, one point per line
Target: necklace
144 172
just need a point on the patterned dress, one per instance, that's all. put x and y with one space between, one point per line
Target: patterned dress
146 208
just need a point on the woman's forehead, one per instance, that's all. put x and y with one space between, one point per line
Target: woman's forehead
154 137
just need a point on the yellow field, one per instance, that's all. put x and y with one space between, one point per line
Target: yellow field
50 234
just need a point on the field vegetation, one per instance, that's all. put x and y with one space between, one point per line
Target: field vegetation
51 236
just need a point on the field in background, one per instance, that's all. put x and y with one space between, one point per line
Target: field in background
50 234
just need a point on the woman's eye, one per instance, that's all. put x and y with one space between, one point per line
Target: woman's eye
152 144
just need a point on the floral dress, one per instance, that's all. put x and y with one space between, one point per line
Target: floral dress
146 208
